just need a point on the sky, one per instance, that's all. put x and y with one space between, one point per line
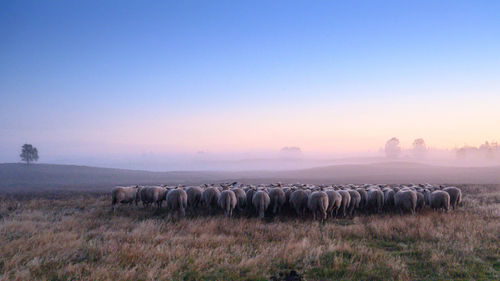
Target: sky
89 79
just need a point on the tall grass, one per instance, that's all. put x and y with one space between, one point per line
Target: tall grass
76 237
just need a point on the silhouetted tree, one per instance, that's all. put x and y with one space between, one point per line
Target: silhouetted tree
419 147
29 153
392 148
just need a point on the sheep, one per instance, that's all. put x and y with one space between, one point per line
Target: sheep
227 202
249 206
162 196
334 202
288 192
241 197
363 195
278 199
318 204
420 201
177 202
438 199
355 201
455 196
298 201
346 201
138 197
210 198
389 201
375 200
261 201
405 200
124 195
151 195
194 194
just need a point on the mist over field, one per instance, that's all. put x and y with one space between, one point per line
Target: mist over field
280 159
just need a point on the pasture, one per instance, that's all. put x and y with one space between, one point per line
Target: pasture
75 236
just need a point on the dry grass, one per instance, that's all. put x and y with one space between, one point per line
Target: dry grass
75 237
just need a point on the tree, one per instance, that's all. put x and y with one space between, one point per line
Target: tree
392 148
29 153
419 148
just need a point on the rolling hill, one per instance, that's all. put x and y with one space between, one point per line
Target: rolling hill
19 177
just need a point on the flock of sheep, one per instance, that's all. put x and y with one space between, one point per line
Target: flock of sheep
320 201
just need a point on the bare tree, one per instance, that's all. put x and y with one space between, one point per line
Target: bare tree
392 148
29 154
419 148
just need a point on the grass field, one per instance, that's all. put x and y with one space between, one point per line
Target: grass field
74 236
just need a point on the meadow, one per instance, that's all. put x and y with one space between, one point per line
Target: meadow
75 236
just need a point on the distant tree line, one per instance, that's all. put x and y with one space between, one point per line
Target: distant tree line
486 150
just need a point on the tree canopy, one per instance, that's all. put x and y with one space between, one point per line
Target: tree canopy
29 153
392 148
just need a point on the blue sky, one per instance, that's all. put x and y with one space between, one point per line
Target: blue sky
86 77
